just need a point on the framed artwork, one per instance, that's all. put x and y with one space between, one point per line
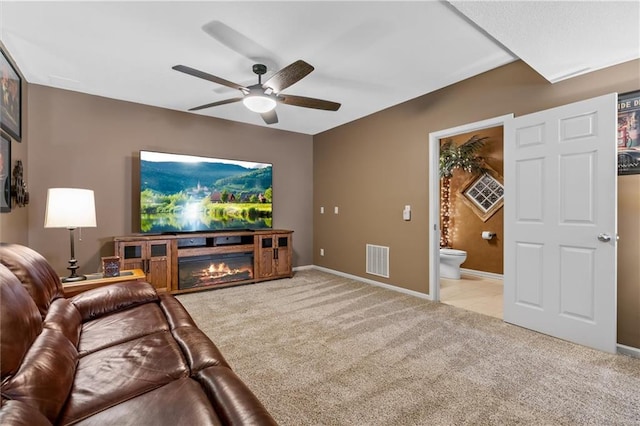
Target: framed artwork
5 174
629 133
484 193
10 99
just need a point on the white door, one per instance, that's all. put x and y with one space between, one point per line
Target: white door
560 222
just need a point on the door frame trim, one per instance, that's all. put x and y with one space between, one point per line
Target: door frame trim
434 193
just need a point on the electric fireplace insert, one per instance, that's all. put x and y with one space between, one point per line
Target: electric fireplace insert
207 270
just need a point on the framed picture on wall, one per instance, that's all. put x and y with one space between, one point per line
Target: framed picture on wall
629 133
5 174
10 98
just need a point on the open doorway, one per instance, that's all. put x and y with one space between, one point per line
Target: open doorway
478 288
472 221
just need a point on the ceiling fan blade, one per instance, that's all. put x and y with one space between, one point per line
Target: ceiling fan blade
270 117
226 101
201 74
242 44
302 101
288 75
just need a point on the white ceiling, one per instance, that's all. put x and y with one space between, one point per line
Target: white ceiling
368 56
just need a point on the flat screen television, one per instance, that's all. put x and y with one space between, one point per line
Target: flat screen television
187 193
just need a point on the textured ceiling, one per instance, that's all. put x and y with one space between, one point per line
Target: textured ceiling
561 39
368 56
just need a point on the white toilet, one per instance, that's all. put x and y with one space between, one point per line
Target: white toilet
450 261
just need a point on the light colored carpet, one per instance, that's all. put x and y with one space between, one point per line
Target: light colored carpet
319 349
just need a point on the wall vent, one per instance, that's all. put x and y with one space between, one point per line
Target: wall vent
378 260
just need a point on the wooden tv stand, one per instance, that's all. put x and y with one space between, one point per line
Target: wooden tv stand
159 256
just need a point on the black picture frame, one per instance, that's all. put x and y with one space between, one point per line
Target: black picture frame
10 98
629 133
5 174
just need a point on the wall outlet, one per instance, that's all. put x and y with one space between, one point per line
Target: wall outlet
321 210
321 252
335 210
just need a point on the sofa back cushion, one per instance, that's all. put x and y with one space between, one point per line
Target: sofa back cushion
64 317
38 363
17 413
20 322
46 374
35 273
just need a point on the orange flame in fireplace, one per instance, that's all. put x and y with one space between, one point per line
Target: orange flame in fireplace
222 269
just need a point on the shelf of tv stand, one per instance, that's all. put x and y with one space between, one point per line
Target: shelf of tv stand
271 248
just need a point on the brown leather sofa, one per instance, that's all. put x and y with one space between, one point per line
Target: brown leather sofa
120 354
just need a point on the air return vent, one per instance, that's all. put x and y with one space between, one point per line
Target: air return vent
378 260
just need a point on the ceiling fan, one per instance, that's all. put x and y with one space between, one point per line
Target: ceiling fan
263 97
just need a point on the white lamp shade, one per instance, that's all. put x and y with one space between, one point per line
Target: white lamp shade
259 103
70 208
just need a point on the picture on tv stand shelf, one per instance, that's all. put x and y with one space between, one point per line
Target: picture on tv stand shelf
186 193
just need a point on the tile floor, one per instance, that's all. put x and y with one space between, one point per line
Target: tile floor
473 293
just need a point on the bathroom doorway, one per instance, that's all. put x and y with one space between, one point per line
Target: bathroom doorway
479 289
472 222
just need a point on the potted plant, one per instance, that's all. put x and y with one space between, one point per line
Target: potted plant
465 157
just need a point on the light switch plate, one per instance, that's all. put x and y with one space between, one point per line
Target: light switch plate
406 213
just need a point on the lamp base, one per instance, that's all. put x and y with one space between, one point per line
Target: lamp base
72 278
73 265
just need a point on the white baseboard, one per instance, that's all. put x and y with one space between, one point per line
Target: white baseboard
628 350
481 274
372 282
303 268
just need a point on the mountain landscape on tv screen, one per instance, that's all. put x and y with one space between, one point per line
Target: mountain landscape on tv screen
203 196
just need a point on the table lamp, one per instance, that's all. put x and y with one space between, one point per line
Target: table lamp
70 208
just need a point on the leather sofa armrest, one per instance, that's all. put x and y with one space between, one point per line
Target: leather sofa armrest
18 413
198 349
112 298
232 400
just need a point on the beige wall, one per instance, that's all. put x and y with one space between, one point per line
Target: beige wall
86 141
467 227
372 167
628 264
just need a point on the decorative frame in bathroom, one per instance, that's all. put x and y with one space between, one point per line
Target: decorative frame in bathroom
494 188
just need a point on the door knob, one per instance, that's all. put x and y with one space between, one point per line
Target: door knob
605 238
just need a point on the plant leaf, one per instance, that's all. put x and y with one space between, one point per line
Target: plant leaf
462 157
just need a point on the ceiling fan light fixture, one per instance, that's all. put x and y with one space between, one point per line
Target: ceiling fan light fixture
263 97
259 103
